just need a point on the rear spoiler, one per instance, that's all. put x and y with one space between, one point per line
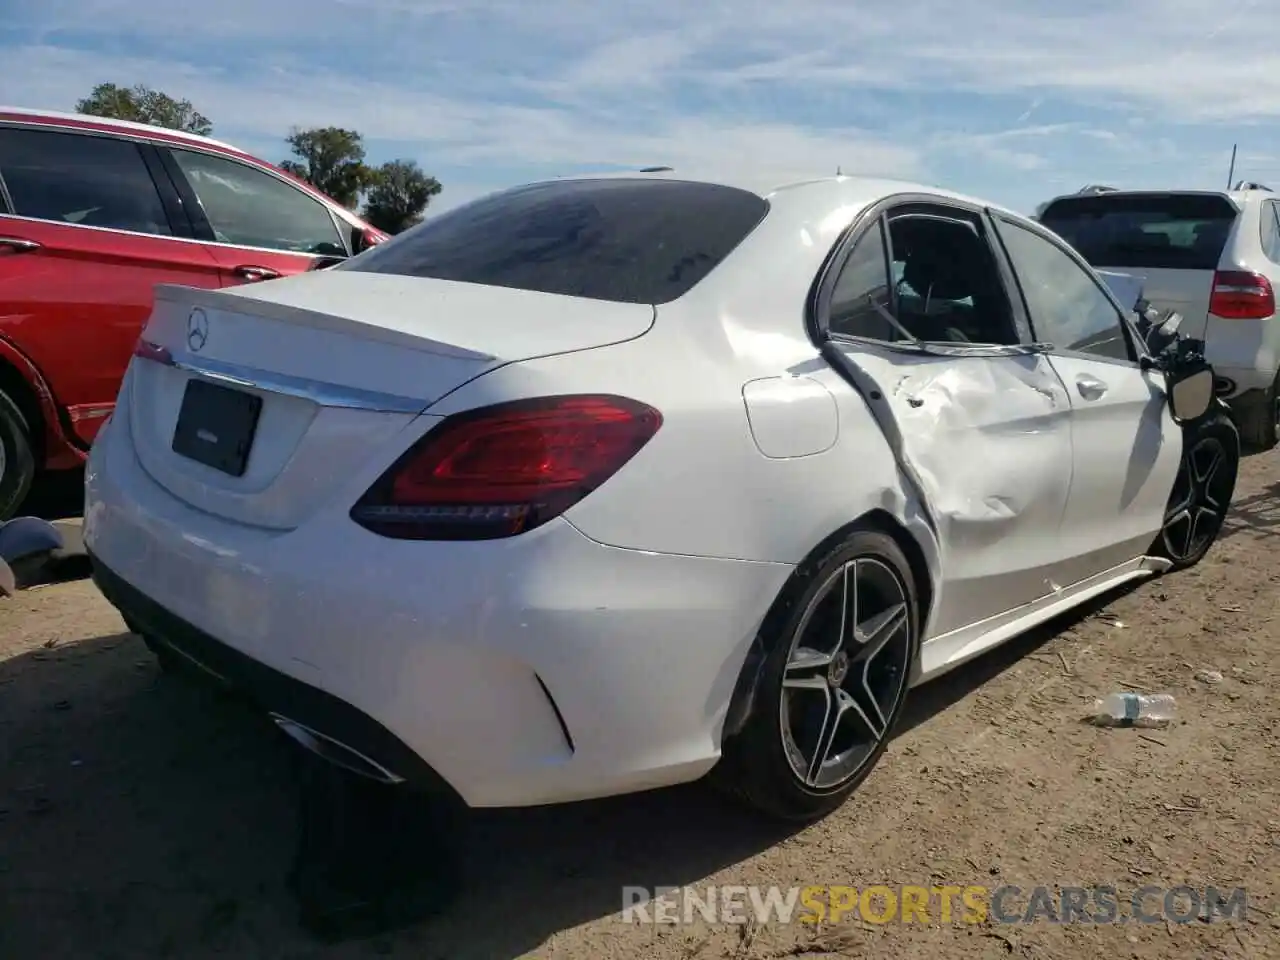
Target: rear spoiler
176 303
1234 201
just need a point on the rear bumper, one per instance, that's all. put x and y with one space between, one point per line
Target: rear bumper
542 669
1241 384
1245 352
273 691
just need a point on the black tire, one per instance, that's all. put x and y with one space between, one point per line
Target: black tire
17 461
756 767
1198 504
1259 431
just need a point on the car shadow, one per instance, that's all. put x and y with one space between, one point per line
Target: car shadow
938 695
144 815
55 496
1258 513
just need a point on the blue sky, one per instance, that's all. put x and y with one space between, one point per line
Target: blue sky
1011 100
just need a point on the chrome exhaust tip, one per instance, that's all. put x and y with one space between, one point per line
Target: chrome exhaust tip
334 751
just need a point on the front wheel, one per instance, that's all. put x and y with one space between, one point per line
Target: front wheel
1202 490
833 683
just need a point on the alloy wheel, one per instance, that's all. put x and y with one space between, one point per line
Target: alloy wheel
1198 504
846 673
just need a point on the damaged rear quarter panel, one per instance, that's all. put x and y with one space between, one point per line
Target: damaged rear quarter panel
721 497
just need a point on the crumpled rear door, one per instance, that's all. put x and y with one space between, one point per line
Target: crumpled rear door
985 436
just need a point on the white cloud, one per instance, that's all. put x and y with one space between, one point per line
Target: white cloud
1099 90
457 131
1187 57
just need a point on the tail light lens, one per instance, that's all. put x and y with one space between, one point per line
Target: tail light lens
1239 295
152 351
504 469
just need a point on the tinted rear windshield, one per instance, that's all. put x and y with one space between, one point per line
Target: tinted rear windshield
624 240
1173 231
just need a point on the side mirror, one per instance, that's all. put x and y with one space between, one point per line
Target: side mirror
1189 393
362 240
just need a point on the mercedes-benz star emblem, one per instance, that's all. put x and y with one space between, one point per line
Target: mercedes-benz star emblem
839 669
197 329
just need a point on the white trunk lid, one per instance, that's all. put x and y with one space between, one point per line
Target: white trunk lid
342 362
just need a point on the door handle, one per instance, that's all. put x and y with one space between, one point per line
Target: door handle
253 274
15 245
1091 388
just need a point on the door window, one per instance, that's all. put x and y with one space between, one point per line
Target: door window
860 298
252 208
1068 307
947 284
941 283
1270 230
80 179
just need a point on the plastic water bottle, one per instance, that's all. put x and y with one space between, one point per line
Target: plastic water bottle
1134 710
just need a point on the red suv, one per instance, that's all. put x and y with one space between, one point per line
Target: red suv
93 214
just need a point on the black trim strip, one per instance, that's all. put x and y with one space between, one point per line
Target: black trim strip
6 200
179 223
555 707
201 229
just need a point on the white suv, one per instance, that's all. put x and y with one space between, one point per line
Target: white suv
1212 256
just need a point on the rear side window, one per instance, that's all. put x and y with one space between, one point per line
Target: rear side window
250 208
80 179
624 240
1178 231
1269 229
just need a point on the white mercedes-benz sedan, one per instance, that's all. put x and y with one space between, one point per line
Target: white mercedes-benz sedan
599 484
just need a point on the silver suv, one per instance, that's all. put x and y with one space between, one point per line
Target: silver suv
1212 256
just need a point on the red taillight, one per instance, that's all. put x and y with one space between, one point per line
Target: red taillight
505 469
152 351
1239 295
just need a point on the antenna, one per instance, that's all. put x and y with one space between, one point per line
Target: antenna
1232 172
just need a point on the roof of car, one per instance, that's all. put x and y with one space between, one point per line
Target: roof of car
110 123
839 186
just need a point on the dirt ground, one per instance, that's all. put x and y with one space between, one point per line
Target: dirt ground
140 817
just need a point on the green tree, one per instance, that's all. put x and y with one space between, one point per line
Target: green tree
331 159
141 104
399 195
